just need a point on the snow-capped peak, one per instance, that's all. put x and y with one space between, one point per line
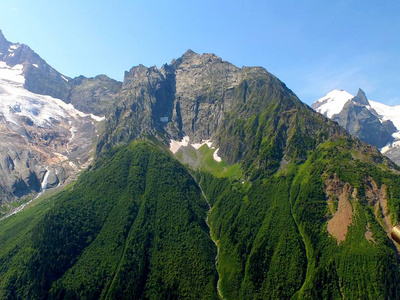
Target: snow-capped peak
16 101
332 103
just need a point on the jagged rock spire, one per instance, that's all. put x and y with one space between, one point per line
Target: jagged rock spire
361 98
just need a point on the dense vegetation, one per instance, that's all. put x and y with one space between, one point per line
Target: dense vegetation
273 239
132 227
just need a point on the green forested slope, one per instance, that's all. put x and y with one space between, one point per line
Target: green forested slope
273 238
132 227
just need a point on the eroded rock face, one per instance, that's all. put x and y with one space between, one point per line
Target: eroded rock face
364 123
377 197
193 96
40 133
93 95
340 198
339 195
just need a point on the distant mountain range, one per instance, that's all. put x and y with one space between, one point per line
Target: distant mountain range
370 121
200 180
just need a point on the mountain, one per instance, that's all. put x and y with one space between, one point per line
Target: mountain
89 95
46 139
212 181
372 122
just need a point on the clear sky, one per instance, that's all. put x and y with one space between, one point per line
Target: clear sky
313 46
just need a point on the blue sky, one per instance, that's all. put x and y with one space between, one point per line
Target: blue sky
313 46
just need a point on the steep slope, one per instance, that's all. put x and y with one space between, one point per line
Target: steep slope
89 95
132 227
40 78
93 95
276 228
43 136
299 209
372 122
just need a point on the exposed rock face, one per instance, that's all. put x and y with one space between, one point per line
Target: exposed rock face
339 194
93 95
40 78
361 98
90 95
198 96
41 135
364 123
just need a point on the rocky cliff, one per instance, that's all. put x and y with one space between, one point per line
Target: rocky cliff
48 122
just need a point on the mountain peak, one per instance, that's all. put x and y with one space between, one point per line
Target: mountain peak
361 98
3 41
332 103
189 52
189 55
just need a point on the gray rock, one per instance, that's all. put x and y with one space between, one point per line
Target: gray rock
361 98
363 123
93 95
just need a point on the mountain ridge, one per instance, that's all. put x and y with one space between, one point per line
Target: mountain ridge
286 205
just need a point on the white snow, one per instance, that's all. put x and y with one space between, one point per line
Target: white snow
216 157
97 118
16 101
164 119
14 47
175 145
391 113
197 146
64 78
334 102
35 65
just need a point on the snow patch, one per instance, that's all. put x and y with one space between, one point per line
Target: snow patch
72 130
35 65
216 157
387 112
97 118
164 119
175 145
197 146
333 102
64 78
16 101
